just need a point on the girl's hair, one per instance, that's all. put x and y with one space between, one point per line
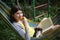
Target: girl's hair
14 9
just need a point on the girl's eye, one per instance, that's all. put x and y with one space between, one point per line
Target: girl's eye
17 13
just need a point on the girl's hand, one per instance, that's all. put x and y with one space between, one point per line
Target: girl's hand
25 19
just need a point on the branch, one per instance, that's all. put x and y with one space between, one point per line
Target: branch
41 5
40 15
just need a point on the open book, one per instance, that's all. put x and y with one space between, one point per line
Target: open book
47 25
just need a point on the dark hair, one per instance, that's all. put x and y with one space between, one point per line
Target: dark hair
14 9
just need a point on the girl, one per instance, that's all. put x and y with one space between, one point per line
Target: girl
21 24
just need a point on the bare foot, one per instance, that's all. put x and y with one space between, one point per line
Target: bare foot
55 27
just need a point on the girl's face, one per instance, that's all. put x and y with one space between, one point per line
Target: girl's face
18 15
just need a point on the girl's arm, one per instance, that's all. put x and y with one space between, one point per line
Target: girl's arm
24 34
27 35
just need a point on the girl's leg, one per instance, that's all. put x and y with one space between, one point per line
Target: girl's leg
38 29
42 23
38 32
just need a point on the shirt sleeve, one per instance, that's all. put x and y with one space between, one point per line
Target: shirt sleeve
20 30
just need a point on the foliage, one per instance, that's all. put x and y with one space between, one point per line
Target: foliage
26 6
6 33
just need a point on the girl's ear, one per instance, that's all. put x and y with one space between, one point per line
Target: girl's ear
12 15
